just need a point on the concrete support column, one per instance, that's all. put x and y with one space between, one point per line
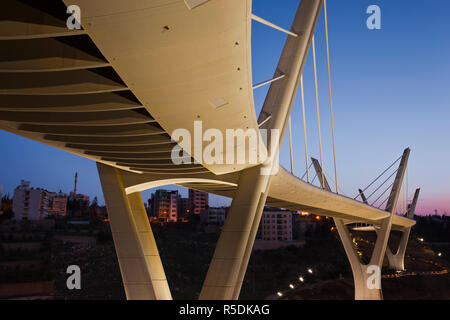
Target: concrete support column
140 264
359 270
397 260
249 246
362 276
231 256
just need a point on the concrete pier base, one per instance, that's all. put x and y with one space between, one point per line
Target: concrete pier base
139 261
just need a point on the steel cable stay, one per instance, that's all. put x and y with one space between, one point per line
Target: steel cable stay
307 172
404 201
307 164
304 130
387 198
290 146
382 194
331 96
315 176
332 180
377 178
317 107
384 182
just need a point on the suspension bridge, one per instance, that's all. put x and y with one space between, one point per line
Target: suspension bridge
115 90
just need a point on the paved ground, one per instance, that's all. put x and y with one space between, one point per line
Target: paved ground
426 278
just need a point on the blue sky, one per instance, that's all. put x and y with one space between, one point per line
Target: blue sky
390 91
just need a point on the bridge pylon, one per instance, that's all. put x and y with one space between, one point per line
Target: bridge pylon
229 264
139 261
397 260
367 277
228 267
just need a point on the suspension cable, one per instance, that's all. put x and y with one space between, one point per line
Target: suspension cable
331 98
290 146
306 172
382 184
304 129
376 179
407 195
379 207
405 198
382 195
318 108
329 177
315 176
401 197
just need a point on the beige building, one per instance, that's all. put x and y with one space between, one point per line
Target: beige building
164 205
30 203
58 204
198 201
213 216
275 226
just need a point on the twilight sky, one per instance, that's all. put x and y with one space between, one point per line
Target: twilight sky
391 90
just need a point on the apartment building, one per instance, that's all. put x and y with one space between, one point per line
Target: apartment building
275 225
30 203
164 205
198 201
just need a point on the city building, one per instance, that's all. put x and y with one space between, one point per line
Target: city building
79 204
58 204
102 213
213 216
164 205
276 225
6 206
198 201
304 224
30 203
184 209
